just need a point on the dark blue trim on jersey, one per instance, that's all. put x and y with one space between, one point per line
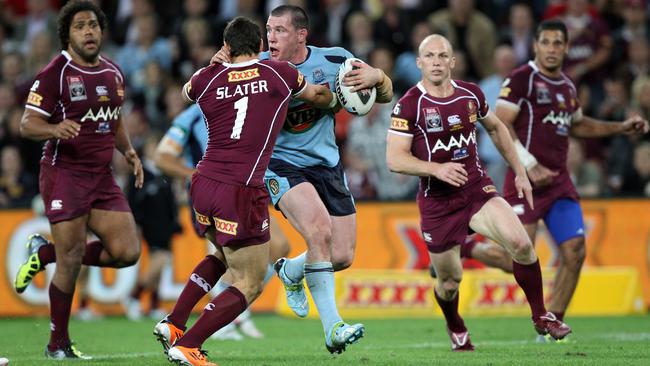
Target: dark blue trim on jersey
306 58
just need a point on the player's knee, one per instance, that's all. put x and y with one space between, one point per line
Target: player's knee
522 247
449 288
575 254
341 262
130 255
319 233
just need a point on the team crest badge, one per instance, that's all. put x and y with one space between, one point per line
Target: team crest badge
274 186
543 93
77 88
433 119
318 76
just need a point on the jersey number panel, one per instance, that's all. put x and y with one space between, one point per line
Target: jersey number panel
242 107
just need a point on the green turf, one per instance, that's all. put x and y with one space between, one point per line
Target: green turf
499 341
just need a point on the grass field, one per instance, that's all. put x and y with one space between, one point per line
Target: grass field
499 341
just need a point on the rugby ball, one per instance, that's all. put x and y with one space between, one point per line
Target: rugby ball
359 102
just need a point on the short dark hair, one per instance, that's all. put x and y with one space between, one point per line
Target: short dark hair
243 36
552 25
299 17
69 11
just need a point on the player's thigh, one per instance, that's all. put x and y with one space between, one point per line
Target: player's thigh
307 213
70 236
447 264
344 236
117 231
497 221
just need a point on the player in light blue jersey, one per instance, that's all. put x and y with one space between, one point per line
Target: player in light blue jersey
177 154
305 177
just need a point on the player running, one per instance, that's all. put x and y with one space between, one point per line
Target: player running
433 135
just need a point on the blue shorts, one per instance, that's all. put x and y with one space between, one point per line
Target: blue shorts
330 183
564 220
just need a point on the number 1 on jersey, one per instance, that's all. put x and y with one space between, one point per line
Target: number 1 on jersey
241 106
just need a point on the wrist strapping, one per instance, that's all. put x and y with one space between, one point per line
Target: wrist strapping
525 158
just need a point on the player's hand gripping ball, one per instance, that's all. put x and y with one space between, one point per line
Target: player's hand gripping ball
359 102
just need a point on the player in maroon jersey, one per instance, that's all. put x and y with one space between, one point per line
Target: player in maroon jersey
244 104
433 135
539 105
75 105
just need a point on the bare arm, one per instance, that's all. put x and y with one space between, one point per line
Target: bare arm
400 160
318 95
591 127
123 145
168 159
34 126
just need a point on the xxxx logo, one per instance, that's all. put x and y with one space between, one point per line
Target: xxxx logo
243 75
226 227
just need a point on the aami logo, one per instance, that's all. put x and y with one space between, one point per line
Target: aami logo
455 142
561 118
104 114
383 293
302 118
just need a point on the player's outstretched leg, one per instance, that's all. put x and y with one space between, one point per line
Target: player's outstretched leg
35 262
295 290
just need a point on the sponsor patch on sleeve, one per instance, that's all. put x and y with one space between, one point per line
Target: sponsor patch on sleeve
34 99
399 124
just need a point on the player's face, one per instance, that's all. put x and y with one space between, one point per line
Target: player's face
86 35
283 37
550 49
435 60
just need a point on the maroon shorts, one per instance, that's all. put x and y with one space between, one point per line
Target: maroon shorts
543 198
68 194
444 220
239 214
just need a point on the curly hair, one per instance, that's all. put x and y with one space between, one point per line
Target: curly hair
68 12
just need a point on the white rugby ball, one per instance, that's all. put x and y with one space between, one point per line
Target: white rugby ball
359 102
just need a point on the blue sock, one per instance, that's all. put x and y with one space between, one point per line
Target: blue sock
320 280
294 268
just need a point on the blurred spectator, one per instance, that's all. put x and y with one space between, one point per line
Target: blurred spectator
365 157
174 102
125 29
198 46
641 96
407 73
585 174
504 63
39 53
637 181
393 26
459 72
359 26
615 106
469 31
7 102
520 33
151 98
638 63
30 151
148 47
636 26
17 186
39 19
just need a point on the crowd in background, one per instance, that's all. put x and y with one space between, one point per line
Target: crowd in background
159 44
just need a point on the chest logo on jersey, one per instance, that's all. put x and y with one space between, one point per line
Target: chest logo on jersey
105 114
102 93
318 76
302 118
457 142
454 122
77 88
234 76
542 93
562 121
432 119
472 109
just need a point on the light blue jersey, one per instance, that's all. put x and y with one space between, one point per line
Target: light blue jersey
307 138
190 133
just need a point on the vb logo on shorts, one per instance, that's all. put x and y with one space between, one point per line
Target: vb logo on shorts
226 227
274 186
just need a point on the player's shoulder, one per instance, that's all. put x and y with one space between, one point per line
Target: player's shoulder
468 86
407 104
55 65
523 72
333 55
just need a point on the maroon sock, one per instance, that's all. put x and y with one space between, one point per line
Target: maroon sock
155 300
46 254
529 278
60 304
137 291
92 254
450 309
83 302
203 278
559 315
221 311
